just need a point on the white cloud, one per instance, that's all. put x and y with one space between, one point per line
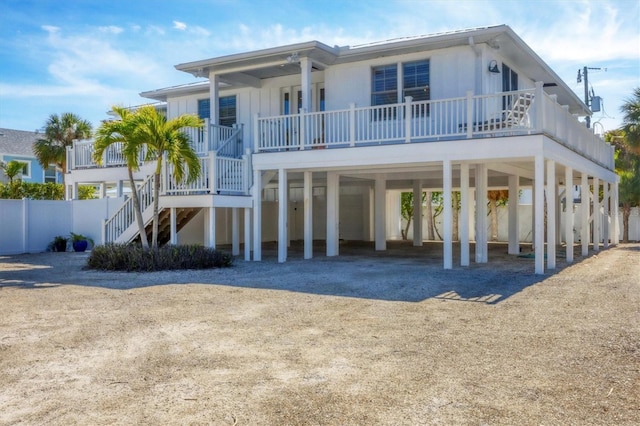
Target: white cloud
112 29
50 29
179 25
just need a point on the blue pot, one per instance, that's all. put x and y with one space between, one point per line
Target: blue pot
80 245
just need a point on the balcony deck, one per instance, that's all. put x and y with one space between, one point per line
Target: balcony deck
515 113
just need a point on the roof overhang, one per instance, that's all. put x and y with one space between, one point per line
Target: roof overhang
250 68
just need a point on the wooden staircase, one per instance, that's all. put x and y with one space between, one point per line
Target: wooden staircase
183 216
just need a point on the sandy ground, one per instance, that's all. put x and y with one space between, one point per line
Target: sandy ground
364 339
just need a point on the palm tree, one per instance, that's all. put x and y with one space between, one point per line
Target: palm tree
123 131
628 168
496 198
162 138
12 169
631 121
60 132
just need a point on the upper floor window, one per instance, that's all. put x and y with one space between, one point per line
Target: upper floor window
509 79
415 83
384 85
226 110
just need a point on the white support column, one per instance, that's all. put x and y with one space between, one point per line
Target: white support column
614 215
585 204
283 201
212 228
447 220
235 231
257 215
119 188
417 213
214 98
481 214
551 214
333 214
308 214
380 214
538 183
605 216
596 214
568 214
464 214
247 234
103 190
514 217
173 233
305 69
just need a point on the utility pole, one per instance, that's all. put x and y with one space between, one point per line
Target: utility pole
587 99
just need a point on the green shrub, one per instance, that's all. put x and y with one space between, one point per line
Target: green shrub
127 257
18 190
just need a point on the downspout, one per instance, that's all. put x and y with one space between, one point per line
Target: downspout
478 74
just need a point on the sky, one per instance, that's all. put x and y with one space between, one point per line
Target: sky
84 56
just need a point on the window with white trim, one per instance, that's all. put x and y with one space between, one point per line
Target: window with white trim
415 83
226 110
50 174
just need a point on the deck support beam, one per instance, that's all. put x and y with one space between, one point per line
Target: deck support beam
447 221
481 214
333 213
585 204
235 231
417 213
568 213
514 217
257 215
308 214
282 215
247 234
551 214
173 232
538 205
211 227
464 214
605 217
380 214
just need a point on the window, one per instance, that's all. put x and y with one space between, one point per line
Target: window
384 85
415 83
509 79
50 174
226 110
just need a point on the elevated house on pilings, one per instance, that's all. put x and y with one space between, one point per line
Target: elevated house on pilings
308 140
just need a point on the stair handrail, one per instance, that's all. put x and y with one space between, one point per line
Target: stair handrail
122 219
232 145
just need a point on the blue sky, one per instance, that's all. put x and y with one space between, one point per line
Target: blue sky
84 56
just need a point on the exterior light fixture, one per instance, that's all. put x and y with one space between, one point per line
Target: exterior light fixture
493 67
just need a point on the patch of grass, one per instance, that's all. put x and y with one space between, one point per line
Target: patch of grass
130 258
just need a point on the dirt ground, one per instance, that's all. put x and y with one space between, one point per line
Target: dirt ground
362 339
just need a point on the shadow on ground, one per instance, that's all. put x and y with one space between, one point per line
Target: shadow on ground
403 273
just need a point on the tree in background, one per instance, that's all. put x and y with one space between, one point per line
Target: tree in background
496 198
631 121
123 133
60 132
628 168
12 169
162 138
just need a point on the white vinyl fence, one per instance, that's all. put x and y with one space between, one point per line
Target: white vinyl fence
28 226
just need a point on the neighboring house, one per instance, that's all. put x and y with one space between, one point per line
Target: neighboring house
337 131
18 145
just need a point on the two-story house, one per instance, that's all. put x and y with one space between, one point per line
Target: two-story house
18 145
308 139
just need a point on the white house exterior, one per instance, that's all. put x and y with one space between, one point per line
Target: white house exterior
336 131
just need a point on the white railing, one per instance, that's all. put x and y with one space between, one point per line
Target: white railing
80 155
125 216
501 114
232 146
218 175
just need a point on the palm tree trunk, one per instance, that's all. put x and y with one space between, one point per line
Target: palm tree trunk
429 214
156 211
493 204
138 211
